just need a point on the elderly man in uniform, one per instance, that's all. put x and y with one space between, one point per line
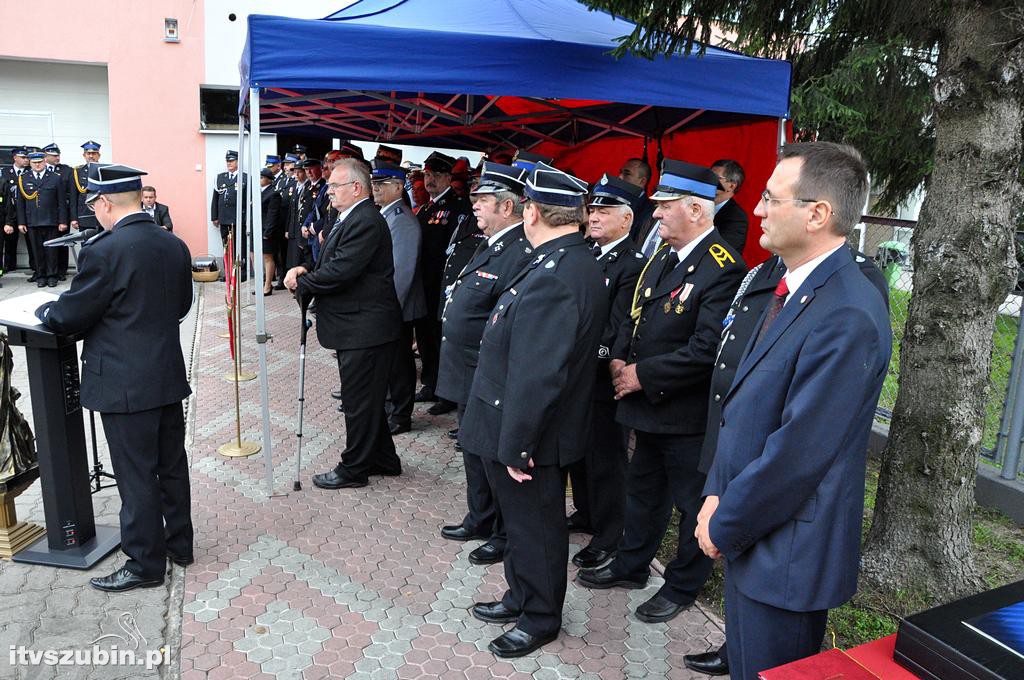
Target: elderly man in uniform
538 355
316 199
497 204
224 208
42 215
388 180
599 480
53 164
661 365
358 315
133 286
444 222
298 208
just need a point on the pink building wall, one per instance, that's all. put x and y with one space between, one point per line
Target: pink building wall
153 87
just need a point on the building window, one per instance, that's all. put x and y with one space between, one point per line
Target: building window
218 108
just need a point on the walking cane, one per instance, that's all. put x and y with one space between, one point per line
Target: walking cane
306 324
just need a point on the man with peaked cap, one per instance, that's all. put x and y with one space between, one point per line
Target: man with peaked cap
538 355
528 161
497 204
316 199
446 221
298 208
283 182
661 365
42 215
357 314
288 164
53 164
224 207
81 216
9 208
388 185
300 151
273 163
132 287
599 480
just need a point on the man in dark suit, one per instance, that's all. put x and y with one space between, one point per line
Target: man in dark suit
158 211
357 314
599 480
42 215
637 172
753 296
388 181
785 495
442 222
316 199
77 183
273 217
497 205
9 207
662 362
538 356
730 220
132 287
224 208
53 164
298 208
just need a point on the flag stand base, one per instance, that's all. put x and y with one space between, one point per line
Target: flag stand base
238 449
243 376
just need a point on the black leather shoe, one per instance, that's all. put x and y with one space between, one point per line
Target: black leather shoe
457 532
399 428
576 525
180 560
425 394
488 553
453 434
592 558
34 277
493 612
458 447
51 282
659 609
605 578
341 408
41 283
332 480
278 286
708 663
336 394
441 407
516 643
122 580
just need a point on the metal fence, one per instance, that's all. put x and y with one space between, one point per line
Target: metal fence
887 241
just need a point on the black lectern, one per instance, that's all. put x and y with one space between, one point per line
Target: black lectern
72 537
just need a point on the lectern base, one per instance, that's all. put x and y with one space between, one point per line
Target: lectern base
106 541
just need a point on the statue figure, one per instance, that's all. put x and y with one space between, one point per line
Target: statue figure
17 443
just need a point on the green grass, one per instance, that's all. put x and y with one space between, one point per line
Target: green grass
1002 354
998 552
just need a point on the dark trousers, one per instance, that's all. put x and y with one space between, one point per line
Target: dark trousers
46 259
62 260
281 258
662 473
604 477
428 342
364 387
295 253
762 636
147 451
538 545
483 516
402 381
10 248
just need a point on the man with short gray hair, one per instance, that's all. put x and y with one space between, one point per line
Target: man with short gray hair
730 220
357 314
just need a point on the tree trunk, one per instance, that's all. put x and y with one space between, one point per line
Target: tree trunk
964 264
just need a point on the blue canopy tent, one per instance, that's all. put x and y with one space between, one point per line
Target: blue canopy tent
482 75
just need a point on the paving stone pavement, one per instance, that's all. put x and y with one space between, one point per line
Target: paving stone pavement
314 584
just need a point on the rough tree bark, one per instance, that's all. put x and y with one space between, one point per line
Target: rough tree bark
964 265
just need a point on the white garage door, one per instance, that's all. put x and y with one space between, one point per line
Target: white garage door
43 102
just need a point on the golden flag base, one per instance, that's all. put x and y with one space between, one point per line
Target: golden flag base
238 449
15 535
243 376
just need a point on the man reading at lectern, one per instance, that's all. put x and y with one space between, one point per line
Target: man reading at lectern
133 286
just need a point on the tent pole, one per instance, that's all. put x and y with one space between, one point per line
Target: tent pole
256 211
782 137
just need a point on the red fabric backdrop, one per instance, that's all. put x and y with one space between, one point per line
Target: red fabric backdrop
753 145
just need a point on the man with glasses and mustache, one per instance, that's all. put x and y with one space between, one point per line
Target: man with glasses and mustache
358 314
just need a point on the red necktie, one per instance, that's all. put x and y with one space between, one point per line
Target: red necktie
781 291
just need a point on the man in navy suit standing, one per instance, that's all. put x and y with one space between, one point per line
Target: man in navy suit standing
785 495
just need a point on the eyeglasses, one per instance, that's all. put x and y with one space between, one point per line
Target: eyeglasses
332 186
768 198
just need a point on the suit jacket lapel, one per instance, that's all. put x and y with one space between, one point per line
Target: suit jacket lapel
800 300
483 258
677 276
335 234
